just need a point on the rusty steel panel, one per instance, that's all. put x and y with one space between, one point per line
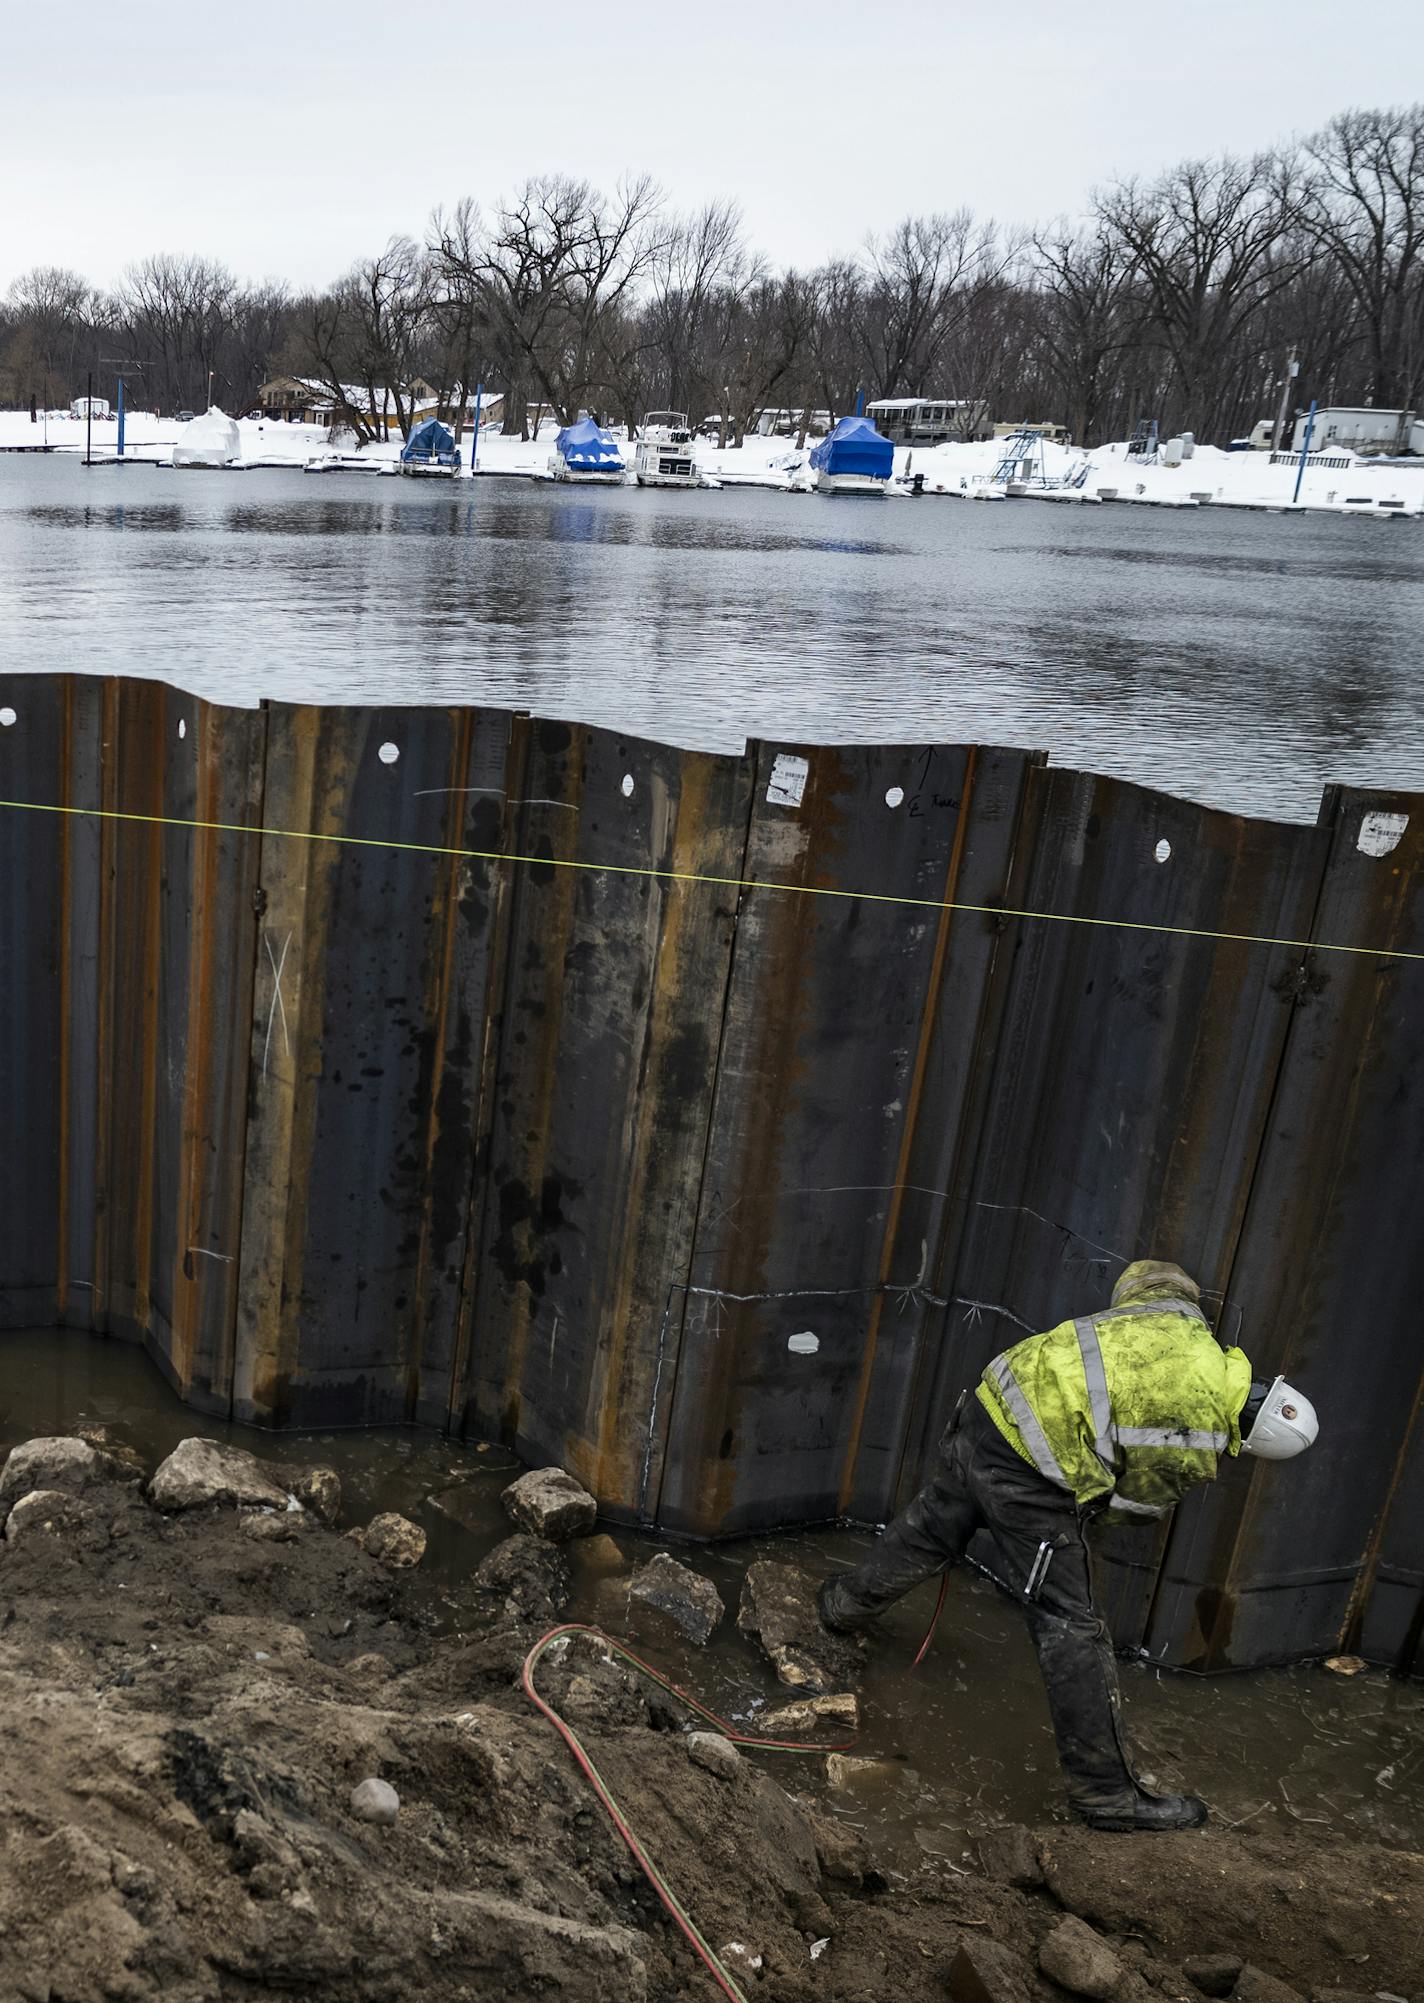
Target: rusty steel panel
604 1050
1126 1074
368 990
34 956
1329 1270
211 761
800 1327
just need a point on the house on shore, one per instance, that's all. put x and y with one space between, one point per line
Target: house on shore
1361 428
304 400
929 420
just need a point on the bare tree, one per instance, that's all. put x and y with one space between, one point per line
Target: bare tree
558 271
1087 318
1211 242
921 281
1364 208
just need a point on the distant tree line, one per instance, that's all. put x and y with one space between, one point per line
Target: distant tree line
1177 298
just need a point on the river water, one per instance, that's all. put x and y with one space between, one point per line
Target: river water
1239 659
962 1743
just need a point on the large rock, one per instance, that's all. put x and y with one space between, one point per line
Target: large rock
718 1755
550 1503
982 1971
524 1577
1213 1974
778 1610
47 1512
837 1713
57 1463
1253 1985
375 1800
319 1490
840 1849
198 1472
1076 1958
392 1538
1010 1856
692 1603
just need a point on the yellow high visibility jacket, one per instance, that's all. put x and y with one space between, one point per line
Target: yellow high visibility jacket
1134 1404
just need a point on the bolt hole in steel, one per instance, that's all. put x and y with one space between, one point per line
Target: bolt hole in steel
1163 849
894 796
627 785
7 717
388 753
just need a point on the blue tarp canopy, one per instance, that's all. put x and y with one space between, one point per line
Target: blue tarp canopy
855 446
432 440
588 446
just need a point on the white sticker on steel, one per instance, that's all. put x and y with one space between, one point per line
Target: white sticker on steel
627 785
788 780
1163 850
1379 833
804 1344
182 727
895 795
388 753
7 717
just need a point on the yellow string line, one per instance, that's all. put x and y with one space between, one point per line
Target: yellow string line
650 871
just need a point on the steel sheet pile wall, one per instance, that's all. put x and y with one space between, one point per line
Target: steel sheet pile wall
706 1123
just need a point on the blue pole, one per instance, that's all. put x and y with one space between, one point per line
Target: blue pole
860 403
475 441
1304 451
121 417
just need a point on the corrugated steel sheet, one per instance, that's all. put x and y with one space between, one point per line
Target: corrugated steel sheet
706 1123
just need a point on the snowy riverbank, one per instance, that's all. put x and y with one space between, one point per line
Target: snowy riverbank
1335 483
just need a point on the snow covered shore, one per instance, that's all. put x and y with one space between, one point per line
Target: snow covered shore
1336 483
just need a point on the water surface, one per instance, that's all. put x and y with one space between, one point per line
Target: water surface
1241 659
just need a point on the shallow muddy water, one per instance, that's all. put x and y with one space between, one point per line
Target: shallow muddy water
1235 658
964 1741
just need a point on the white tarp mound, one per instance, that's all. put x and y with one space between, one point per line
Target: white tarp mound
213 440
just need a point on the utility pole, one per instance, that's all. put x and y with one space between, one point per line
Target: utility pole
1283 408
1304 452
89 421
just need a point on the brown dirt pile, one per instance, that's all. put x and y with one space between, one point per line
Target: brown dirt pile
187 1702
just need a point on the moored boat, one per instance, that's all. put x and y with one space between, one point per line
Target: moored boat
853 458
665 454
588 455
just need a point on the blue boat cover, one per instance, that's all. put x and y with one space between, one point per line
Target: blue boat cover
588 447
432 441
855 446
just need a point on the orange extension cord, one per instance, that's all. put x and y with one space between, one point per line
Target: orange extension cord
684 1921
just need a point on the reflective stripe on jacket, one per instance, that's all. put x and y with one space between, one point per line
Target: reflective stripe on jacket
1134 1404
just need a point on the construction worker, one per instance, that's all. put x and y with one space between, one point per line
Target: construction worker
1118 1413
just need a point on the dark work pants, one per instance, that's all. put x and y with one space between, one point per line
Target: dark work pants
979 1482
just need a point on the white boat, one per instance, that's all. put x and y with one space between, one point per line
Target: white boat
665 456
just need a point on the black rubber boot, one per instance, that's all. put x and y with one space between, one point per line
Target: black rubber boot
834 1614
1148 1812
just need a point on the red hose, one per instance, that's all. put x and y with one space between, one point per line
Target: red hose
725 1981
934 1621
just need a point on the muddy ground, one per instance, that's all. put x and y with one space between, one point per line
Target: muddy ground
188 1699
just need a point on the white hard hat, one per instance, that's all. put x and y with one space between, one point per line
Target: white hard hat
1285 1424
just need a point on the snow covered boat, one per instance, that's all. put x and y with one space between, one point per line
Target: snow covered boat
853 458
211 440
664 456
431 452
585 453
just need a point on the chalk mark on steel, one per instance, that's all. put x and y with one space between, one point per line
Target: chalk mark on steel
278 1005
651 872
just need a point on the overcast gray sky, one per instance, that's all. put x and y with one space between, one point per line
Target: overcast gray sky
289 139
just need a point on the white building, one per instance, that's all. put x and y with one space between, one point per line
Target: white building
1361 428
929 420
89 406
